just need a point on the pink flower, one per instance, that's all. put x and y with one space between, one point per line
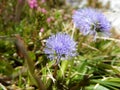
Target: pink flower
43 1
50 19
43 10
32 3
42 30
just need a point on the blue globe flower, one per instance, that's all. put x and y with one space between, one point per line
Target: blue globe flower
60 46
91 22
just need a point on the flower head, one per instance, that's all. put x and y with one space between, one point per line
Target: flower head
60 46
90 21
32 3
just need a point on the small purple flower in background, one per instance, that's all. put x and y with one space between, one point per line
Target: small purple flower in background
33 3
91 22
60 46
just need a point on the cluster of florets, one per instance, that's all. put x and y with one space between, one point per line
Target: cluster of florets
91 22
60 46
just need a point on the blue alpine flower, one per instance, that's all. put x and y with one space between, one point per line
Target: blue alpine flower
60 46
91 22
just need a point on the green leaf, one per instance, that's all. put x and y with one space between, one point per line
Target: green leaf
96 87
63 67
109 84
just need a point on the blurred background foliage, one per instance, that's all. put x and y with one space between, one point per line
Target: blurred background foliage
95 68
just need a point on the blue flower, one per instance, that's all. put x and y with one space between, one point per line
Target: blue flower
60 46
91 22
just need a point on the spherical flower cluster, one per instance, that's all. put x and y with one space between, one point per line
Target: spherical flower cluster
32 3
91 22
60 46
